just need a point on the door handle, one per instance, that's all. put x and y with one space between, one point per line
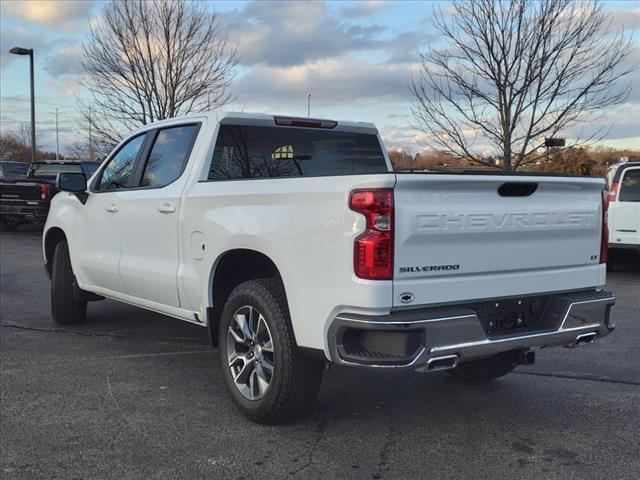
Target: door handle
112 208
166 208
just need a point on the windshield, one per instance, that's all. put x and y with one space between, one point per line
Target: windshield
52 169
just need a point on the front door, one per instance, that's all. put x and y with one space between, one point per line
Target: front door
98 229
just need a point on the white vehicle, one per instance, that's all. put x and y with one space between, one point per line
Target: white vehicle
297 245
623 186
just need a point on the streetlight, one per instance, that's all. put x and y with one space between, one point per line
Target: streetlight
29 51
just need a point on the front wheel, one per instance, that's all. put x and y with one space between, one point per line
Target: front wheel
485 369
270 380
64 307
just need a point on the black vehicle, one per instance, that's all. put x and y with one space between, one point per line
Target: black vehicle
25 199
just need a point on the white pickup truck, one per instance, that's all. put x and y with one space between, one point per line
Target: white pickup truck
297 245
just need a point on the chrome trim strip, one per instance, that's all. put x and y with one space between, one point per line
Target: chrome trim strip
513 339
403 324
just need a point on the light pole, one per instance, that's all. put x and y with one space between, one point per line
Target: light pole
29 51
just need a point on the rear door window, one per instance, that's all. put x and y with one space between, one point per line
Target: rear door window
168 155
271 152
630 187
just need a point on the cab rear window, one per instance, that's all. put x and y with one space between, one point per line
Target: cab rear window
244 152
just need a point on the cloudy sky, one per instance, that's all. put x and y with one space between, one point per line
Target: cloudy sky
355 58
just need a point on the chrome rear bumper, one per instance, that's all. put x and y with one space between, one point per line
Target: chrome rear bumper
438 338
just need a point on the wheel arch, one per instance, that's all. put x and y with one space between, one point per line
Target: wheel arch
232 268
52 237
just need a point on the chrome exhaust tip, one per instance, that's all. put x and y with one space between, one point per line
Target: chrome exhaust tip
586 338
444 362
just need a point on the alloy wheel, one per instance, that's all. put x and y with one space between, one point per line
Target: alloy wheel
250 353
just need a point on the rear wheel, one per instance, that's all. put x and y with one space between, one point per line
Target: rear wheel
64 307
270 380
485 369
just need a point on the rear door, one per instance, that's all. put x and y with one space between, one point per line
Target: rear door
625 209
477 236
149 218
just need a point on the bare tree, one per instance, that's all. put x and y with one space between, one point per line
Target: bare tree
23 134
13 149
84 151
16 147
148 60
516 71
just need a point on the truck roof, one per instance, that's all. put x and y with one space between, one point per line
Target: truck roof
263 119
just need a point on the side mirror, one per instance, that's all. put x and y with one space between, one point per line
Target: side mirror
75 183
72 182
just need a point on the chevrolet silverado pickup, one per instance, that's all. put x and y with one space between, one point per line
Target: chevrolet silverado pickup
296 244
25 199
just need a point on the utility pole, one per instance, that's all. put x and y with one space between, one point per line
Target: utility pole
57 140
308 105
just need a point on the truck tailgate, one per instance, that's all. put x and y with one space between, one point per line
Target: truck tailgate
19 190
457 238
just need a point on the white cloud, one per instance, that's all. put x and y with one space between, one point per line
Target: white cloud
365 8
64 61
628 19
17 37
291 33
617 122
68 86
401 137
53 14
331 82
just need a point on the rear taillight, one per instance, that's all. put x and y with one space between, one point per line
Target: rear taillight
604 239
45 191
613 192
373 249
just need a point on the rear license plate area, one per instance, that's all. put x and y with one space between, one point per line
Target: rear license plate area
511 316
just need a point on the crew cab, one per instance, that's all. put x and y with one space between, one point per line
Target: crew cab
296 244
25 199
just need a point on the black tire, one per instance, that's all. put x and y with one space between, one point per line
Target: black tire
295 379
64 307
485 369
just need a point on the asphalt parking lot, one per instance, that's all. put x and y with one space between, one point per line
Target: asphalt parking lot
132 394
